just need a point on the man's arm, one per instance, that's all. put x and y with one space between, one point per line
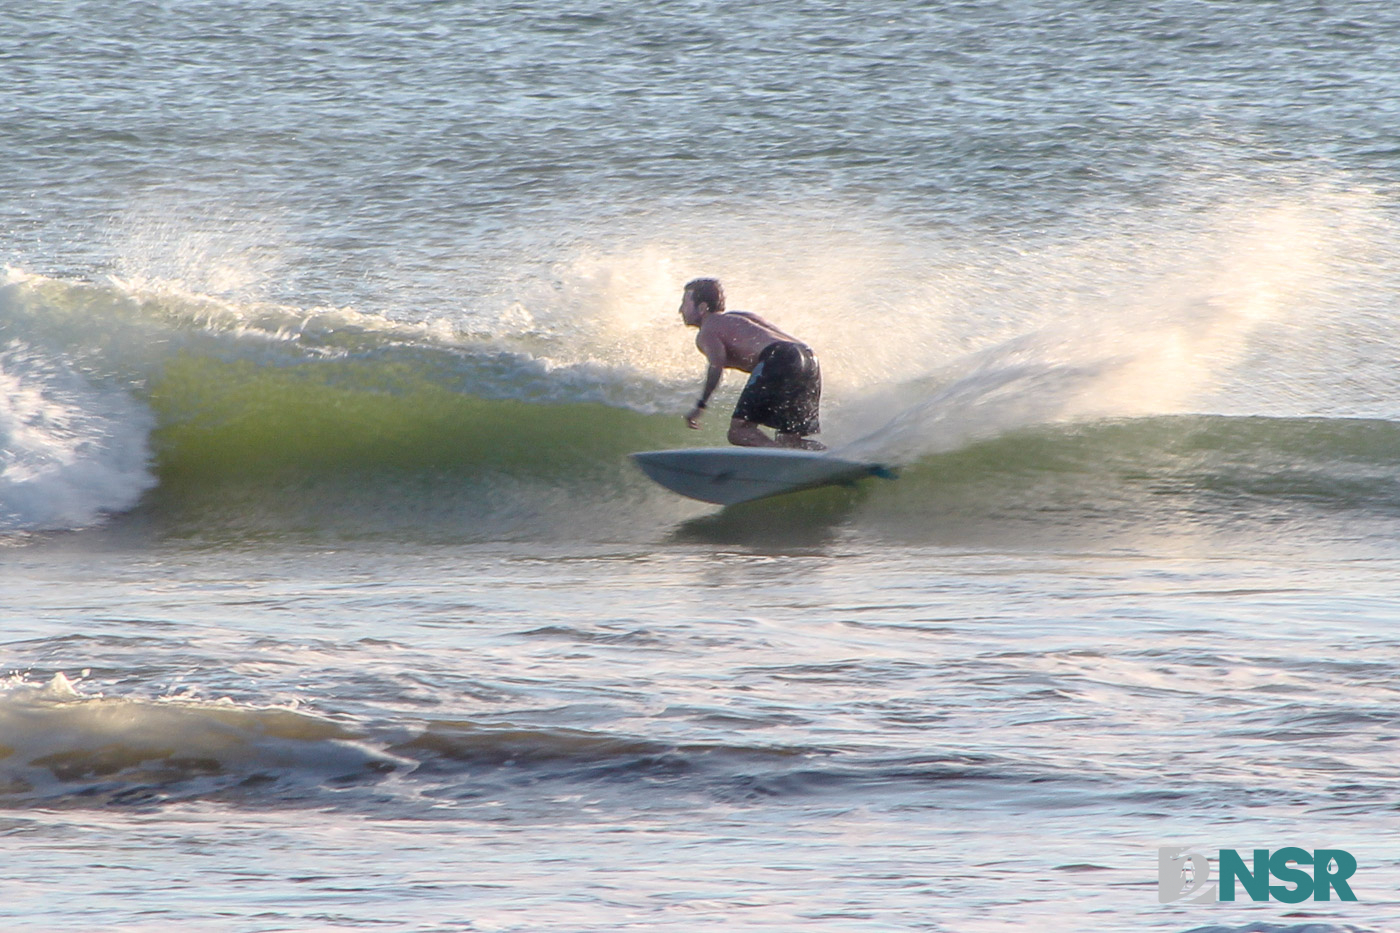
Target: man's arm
712 377
713 348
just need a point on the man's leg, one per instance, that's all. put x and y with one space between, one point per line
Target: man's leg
798 441
746 434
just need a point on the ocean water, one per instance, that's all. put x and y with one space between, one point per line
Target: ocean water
331 599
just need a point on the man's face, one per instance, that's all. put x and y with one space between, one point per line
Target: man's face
690 311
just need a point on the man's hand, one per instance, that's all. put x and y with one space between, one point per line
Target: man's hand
693 419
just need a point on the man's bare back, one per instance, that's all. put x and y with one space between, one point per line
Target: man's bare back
736 338
788 395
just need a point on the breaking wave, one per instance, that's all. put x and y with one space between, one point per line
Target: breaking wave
1231 339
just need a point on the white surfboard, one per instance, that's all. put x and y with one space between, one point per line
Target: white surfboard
729 475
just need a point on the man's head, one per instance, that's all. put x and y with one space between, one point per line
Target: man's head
706 292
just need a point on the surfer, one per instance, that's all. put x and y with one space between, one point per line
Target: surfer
785 383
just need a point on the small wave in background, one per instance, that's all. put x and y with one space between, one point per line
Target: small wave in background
62 747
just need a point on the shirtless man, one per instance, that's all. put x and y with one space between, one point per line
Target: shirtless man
785 385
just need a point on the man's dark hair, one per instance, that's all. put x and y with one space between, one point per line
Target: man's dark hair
708 291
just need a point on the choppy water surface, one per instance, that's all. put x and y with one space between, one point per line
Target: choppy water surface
332 601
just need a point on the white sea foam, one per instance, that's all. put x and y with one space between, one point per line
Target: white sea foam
70 450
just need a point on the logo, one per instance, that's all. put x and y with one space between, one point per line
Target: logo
1183 874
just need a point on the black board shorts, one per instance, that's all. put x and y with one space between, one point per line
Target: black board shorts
784 391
